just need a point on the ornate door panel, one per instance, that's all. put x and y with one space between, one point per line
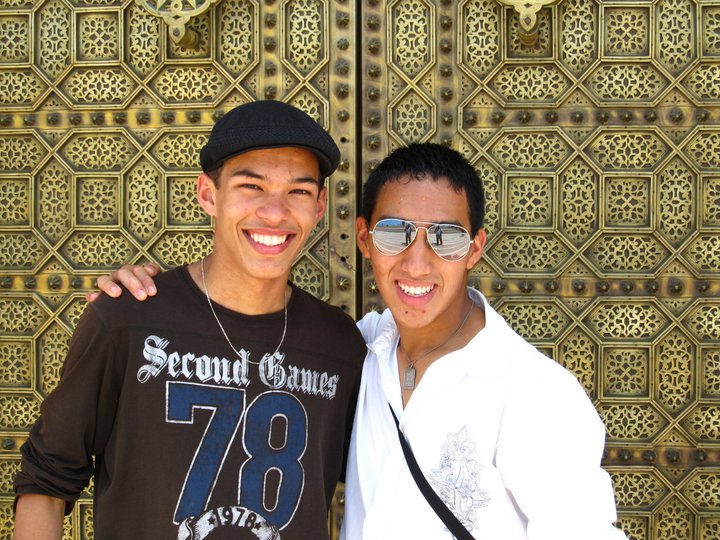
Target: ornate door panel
102 115
596 126
597 132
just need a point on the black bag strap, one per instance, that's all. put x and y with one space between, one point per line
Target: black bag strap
448 518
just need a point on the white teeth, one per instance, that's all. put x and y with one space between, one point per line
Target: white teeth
415 291
268 239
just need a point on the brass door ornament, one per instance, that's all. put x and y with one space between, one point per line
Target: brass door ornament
177 14
527 12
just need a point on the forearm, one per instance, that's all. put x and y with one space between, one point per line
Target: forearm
39 517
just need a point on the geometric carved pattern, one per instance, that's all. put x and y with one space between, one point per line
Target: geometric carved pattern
189 85
15 357
98 250
53 27
577 353
19 152
53 346
675 368
20 87
530 84
98 86
532 253
703 149
616 321
637 490
106 152
14 43
622 83
675 520
627 372
530 202
627 253
622 150
711 373
481 51
578 37
676 34
627 31
638 422
703 490
541 151
237 31
598 146
701 83
578 202
628 202
703 423
142 207
676 191
537 321
410 47
183 208
54 201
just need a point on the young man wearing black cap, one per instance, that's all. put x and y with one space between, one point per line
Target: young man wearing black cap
212 409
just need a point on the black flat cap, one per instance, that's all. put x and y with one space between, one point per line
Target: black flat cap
268 124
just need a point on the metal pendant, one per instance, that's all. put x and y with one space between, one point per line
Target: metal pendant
409 379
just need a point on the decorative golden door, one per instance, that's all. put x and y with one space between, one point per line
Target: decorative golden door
595 125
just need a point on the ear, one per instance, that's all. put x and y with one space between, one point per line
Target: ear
321 204
476 248
206 194
362 236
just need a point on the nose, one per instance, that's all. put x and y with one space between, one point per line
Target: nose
273 209
418 257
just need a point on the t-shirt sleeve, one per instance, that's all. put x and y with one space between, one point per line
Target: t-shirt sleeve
75 420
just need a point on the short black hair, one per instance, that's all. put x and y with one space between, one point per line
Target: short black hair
428 160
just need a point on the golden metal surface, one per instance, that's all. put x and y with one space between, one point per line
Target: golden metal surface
598 141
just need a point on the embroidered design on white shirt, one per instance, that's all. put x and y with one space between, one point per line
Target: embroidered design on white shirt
458 478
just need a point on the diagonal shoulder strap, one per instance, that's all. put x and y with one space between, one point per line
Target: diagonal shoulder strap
448 518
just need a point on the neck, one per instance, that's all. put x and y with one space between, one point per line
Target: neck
447 331
242 294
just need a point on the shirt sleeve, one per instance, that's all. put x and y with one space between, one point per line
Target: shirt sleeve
75 420
549 452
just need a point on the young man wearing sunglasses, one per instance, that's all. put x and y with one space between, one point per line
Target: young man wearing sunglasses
505 437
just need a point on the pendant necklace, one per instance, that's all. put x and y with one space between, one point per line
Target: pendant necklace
409 375
222 329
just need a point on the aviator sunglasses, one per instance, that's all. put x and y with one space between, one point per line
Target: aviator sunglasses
392 236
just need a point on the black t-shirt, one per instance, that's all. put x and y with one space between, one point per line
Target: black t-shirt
187 436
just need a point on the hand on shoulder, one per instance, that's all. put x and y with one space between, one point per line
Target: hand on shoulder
138 279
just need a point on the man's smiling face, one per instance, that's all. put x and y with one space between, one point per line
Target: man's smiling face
420 287
265 204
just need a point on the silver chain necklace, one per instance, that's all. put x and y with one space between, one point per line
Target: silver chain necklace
222 329
409 375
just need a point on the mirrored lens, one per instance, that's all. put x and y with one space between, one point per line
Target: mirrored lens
392 236
451 242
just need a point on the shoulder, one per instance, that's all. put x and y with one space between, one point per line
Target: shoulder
373 324
521 361
172 287
323 316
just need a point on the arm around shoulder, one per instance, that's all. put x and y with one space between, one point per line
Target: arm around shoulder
39 517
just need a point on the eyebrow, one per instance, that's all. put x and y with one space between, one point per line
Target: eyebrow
297 180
